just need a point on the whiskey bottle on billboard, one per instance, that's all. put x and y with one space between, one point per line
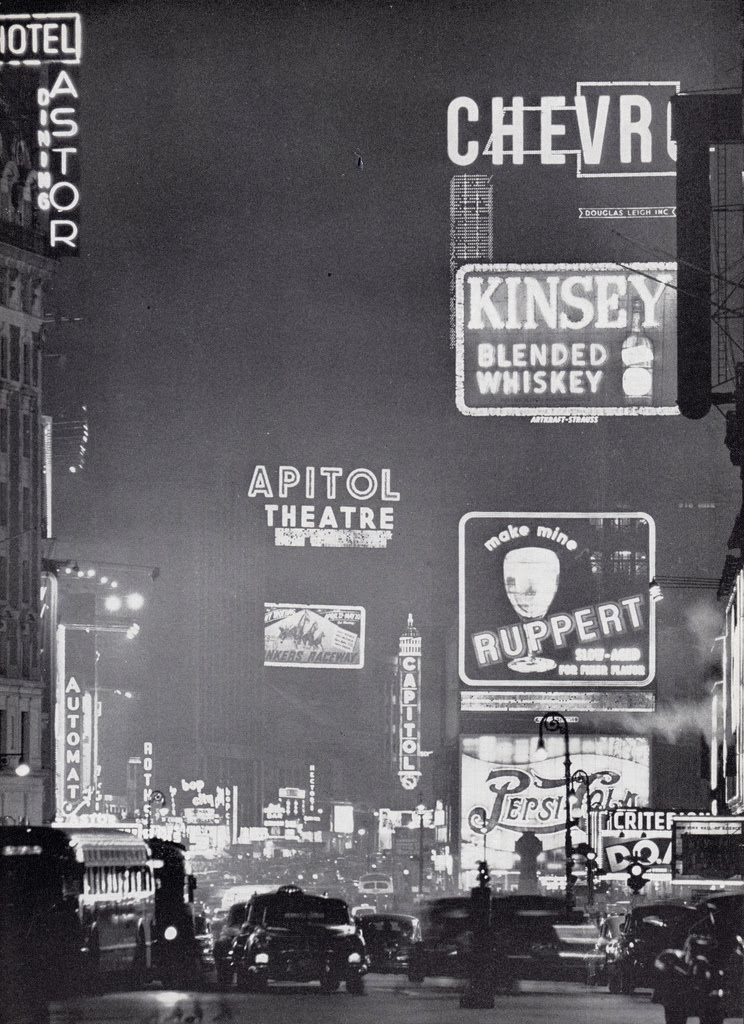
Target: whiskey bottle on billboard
638 361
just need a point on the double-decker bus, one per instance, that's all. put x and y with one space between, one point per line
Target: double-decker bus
76 905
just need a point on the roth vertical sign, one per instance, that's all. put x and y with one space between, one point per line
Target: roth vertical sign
569 338
409 704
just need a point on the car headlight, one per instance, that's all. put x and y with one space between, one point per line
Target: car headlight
355 958
261 958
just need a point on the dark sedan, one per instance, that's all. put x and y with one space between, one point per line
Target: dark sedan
705 977
290 935
646 931
388 938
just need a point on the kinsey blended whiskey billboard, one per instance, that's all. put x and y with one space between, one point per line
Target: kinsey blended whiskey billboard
553 602
576 338
509 791
313 636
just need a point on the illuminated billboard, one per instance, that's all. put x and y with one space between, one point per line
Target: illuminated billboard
566 338
553 602
708 849
313 636
408 738
508 790
326 506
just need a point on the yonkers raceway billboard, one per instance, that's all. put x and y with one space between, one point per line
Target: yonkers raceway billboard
313 636
508 791
555 610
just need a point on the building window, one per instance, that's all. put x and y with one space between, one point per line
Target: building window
622 562
12 642
25 582
25 656
27 378
3 578
15 352
26 435
3 730
25 747
3 502
4 356
26 508
4 429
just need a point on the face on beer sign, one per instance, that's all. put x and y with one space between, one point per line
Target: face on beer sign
556 599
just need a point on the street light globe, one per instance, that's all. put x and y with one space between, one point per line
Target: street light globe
23 770
135 601
112 603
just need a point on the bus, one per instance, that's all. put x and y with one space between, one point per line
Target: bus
77 906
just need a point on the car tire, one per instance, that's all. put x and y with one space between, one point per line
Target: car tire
224 977
138 970
416 974
712 1017
329 981
355 986
674 1016
627 988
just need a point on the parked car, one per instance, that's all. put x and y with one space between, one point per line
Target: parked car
646 931
290 935
705 977
388 939
223 943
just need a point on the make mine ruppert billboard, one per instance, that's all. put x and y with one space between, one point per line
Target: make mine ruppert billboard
556 606
576 338
313 636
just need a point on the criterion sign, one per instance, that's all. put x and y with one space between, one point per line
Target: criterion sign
558 600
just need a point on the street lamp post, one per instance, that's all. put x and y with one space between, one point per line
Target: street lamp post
581 778
421 811
554 722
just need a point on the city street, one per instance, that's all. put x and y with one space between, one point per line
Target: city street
388 999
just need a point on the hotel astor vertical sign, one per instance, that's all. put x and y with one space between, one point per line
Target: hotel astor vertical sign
34 44
576 338
556 602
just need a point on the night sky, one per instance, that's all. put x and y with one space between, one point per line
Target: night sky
264 279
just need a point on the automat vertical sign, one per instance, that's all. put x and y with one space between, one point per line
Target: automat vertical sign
556 602
409 707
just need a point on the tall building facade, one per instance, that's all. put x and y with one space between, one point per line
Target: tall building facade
25 272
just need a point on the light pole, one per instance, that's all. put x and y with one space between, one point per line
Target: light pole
421 811
581 778
554 722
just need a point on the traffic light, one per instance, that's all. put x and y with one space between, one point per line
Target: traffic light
636 873
587 852
484 877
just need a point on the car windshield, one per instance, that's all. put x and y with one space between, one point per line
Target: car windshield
299 911
387 927
447 919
